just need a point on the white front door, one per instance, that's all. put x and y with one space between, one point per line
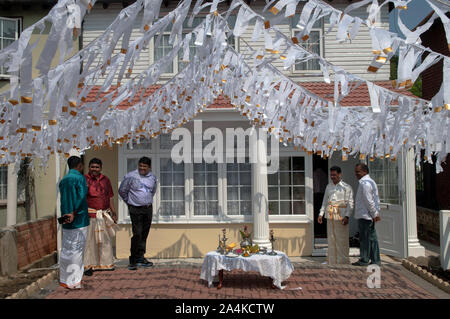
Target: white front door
391 231
389 176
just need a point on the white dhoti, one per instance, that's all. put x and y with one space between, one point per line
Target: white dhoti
338 235
98 253
71 257
338 242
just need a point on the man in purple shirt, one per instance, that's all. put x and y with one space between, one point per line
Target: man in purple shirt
137 190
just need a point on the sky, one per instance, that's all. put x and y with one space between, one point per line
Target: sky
416 12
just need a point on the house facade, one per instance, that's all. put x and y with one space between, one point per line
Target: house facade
196 200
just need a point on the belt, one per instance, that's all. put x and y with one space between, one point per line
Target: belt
145 206
334 210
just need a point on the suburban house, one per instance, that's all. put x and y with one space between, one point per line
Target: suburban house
195 201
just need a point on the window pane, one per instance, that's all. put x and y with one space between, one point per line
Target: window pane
285 163
211 178
213 208
166 208
285 178
166 165
211 167
233 208
7 42
199 167
246 208
178 179
385 174
9 29
245 166
178 193
299 207
232 178
272 179
199 178
299 193
166 179
246 178
285 192
199 193
132 164
285 208
274 208
246 193
299 179
232 167
199 208
178 208
166 193
163 49
273 193
298 163
212 192
313 46
178 167
3 182
232 193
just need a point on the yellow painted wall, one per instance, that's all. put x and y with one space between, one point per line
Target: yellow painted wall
195 240
45 181
29 17
110 160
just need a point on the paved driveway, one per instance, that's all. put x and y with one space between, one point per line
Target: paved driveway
183 281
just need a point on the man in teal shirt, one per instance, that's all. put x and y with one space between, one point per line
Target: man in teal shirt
73 189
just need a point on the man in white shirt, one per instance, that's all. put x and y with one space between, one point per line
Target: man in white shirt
338 205
367 212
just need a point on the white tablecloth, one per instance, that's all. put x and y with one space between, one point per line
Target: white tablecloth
277 267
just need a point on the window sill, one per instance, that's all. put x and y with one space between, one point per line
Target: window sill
302 219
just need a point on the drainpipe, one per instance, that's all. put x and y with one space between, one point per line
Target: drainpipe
11 208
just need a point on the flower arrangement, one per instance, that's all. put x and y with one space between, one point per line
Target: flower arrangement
245 234
246 237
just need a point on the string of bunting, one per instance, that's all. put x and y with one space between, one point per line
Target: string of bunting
264 94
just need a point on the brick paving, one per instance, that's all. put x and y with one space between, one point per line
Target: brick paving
183 282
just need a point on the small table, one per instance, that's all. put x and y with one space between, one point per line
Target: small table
277 267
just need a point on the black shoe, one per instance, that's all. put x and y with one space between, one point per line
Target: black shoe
142 262
359 263
89 272
132 267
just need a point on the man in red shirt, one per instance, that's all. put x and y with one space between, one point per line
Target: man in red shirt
98 254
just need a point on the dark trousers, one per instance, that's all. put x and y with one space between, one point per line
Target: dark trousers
141 220
369 250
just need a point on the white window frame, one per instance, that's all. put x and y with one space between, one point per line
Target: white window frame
321 51
18 22
309 209
175 60
155 154
399 176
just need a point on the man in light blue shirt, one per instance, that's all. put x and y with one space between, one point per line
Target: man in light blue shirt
137 190
367 212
